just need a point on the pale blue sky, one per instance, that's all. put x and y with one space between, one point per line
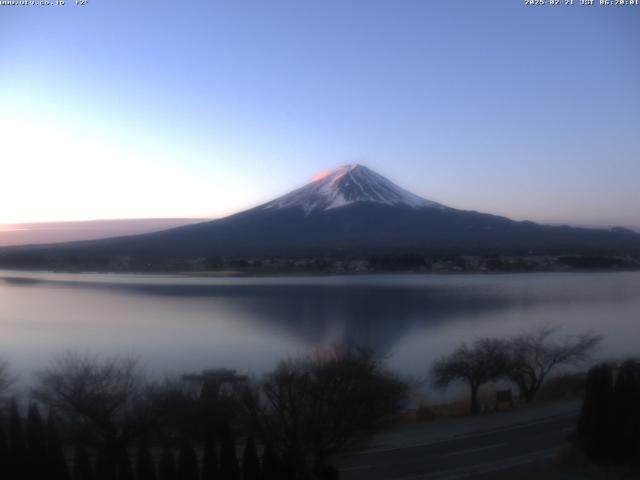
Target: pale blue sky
127 109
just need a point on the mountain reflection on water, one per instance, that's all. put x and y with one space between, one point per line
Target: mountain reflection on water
176 324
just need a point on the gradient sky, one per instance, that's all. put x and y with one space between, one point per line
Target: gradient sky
125 109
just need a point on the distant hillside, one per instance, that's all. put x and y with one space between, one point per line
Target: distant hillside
57 232
350 211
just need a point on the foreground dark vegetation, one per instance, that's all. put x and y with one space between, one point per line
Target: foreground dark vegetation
121 427
525 361
606 443
104 421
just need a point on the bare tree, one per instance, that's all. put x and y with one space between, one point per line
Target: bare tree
175 404
103 395
310 407
535 354
484 361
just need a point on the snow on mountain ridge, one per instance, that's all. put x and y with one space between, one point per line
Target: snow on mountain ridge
346 185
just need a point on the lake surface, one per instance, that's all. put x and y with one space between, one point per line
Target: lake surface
181 324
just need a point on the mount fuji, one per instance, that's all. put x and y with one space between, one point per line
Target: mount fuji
350 210
348 185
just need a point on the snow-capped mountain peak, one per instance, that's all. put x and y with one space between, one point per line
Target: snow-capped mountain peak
346 185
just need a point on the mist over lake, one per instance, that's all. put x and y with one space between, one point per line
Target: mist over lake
177 324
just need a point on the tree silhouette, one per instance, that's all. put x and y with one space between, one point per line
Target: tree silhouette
313 406
82 468
6 378
534 355
486 360
250 463
104 395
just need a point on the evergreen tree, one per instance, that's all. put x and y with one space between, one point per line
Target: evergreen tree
187 462
210 469
106 467
125 471
167 467
327 472
18 446
229 469
37 444
594 424
58 469
145 468
635 419
4 455
270 468
287 467
625 419
250 463
82 468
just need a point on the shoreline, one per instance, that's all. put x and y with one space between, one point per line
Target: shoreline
19 275
237 274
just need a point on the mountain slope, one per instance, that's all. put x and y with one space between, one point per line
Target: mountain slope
70 231
350 210
344 186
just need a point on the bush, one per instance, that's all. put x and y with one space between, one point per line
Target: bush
562 387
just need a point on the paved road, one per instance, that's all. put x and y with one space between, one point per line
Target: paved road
517 451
